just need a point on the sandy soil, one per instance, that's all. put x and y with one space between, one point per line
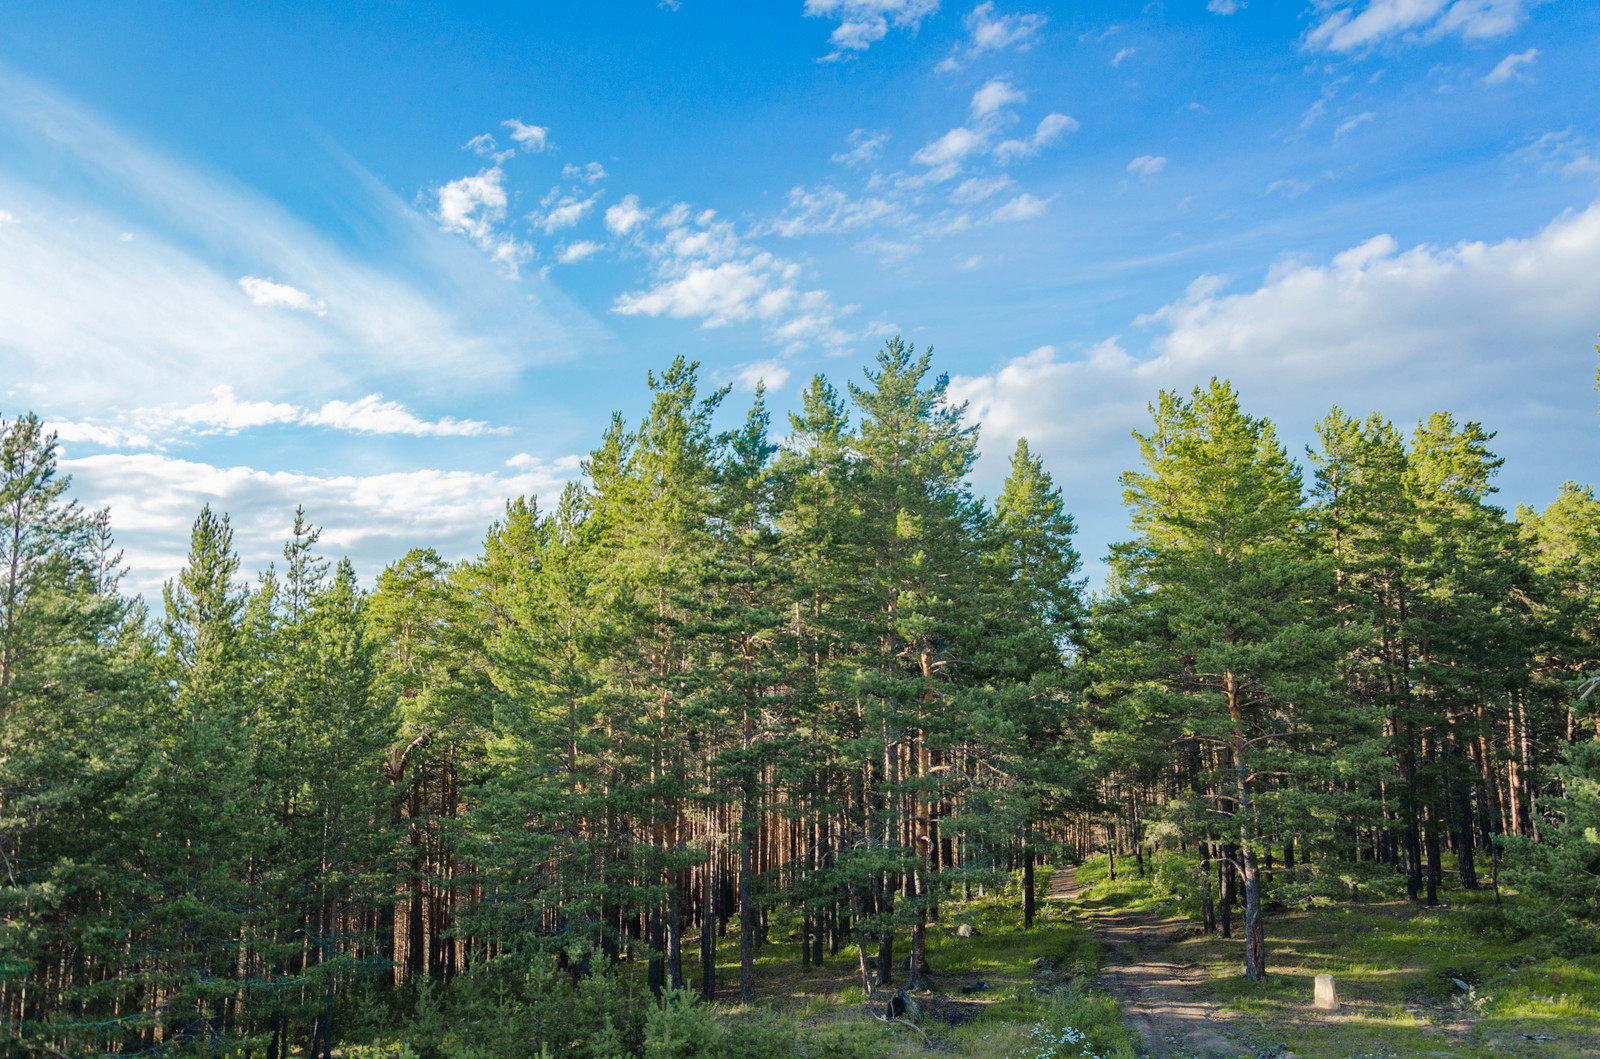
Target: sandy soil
1158 997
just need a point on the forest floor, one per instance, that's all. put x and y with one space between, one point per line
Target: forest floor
1160 994
1124 968
1399 969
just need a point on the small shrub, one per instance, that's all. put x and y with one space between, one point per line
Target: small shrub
681 1028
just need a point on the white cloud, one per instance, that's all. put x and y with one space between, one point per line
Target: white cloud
720 294
827 209
160 320
531 138
1351 123
1051 128
1510 66
864 22
1123 56
475 206
995 95
226 412
864 146
988 31
976 189
579 251
767 372
991 32
563 213
592 173
945 155
1499 332
103 435
1288 188
1147 166
373 415
1351 27
1022 208
1224 7
267 293
481 144
703 269
374 519
625 215
7 217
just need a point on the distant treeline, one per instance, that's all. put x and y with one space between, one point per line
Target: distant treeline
726 676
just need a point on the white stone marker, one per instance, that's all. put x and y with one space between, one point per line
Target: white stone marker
1325 997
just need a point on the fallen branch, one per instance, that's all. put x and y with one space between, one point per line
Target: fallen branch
903 1022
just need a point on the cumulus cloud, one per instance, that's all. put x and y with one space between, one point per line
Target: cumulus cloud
373 415
864 22
475 206
625 216
703 269
374 519
768 373
592 173
990 109
1495 331
1511 66
995 95
1147 166
1356 27
1051 128
579 251
224 411
69 432
531 138
988 31
562 212
265 292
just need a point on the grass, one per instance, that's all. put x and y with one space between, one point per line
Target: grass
1039 984
1396 966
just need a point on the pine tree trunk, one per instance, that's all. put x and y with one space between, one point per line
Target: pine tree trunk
747 910
1255 936
1027 884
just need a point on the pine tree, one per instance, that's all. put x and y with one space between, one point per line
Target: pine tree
1233 637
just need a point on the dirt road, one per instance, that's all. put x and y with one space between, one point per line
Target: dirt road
1157 995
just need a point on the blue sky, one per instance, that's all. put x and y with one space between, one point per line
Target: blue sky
399 261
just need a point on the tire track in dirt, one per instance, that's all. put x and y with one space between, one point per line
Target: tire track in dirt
1158 996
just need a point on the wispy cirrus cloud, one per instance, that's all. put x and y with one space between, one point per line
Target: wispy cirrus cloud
1511 67
1146 166
1358 27
123 284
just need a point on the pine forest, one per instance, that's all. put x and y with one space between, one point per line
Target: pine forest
748 685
